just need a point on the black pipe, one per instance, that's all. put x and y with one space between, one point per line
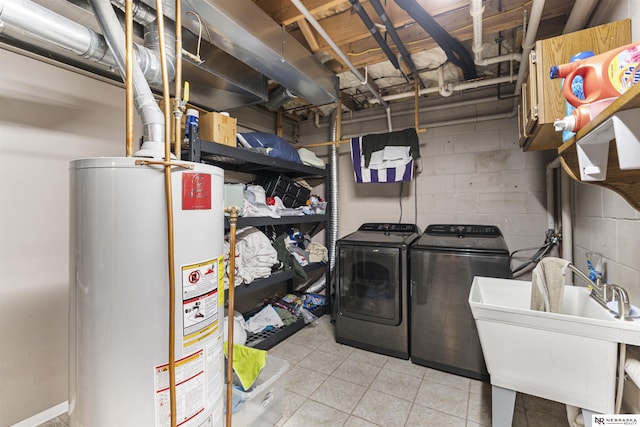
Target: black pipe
355 4
455 51
393 33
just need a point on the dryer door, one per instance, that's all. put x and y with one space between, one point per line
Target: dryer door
370 283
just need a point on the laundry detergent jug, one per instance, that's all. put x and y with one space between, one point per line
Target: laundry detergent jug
581 115
607 75
577 88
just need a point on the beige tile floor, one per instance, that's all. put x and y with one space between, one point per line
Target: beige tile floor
330 384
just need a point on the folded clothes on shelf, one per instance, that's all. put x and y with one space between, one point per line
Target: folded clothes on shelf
254 258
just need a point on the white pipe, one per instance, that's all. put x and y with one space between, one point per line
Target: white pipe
389 127
476 11
473 84
336 49
444 88
464 103
579 14
551 205
474 119
151 115
567 221
529 41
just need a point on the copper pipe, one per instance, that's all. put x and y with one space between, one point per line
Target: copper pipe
416 84
339 119
130 108
170 232
233 219
177 112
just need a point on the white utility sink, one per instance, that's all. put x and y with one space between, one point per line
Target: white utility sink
568 357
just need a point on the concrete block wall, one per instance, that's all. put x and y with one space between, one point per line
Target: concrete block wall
473 173
605 223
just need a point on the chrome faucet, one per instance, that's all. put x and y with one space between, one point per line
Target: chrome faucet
605 292
624 308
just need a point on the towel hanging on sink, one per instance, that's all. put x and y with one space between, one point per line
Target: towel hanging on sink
547 284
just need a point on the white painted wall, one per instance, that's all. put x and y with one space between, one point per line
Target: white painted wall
48 116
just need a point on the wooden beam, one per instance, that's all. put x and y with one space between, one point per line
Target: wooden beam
285 13
279 123
309 35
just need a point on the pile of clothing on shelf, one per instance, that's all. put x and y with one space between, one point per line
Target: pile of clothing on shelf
258 257
278 312
256 203
255 257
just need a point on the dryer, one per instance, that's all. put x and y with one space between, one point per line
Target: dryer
372 294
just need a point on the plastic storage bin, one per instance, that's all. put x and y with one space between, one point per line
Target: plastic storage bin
263 404
291 193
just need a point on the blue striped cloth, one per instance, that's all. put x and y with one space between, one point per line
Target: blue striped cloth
367 175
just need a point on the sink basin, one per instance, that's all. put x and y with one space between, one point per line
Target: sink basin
568 357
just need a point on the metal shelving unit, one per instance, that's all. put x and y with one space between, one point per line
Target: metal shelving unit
246 161
260 221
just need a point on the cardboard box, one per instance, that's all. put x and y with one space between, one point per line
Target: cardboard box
213 126
218 128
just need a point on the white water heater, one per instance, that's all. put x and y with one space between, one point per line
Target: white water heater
119 294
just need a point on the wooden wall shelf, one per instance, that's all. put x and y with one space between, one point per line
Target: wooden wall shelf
624 182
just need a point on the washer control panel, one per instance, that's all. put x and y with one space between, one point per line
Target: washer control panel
464 230
389 227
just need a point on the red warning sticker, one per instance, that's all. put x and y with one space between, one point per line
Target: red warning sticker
196 191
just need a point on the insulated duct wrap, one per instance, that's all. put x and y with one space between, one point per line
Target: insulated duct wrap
33 21
332 189
332 238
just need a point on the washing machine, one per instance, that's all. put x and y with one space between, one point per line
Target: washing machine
444 261
372 303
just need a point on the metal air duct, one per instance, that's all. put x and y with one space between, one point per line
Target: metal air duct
246 32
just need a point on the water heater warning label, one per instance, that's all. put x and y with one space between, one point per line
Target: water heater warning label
200 302
196 191
191 389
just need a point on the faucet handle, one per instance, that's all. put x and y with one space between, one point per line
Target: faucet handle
621 295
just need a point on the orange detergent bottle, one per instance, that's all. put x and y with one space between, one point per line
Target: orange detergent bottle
581 115
607 75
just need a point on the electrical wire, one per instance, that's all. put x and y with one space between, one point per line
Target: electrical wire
551 240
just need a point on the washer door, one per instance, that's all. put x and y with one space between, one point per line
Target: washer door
369 283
